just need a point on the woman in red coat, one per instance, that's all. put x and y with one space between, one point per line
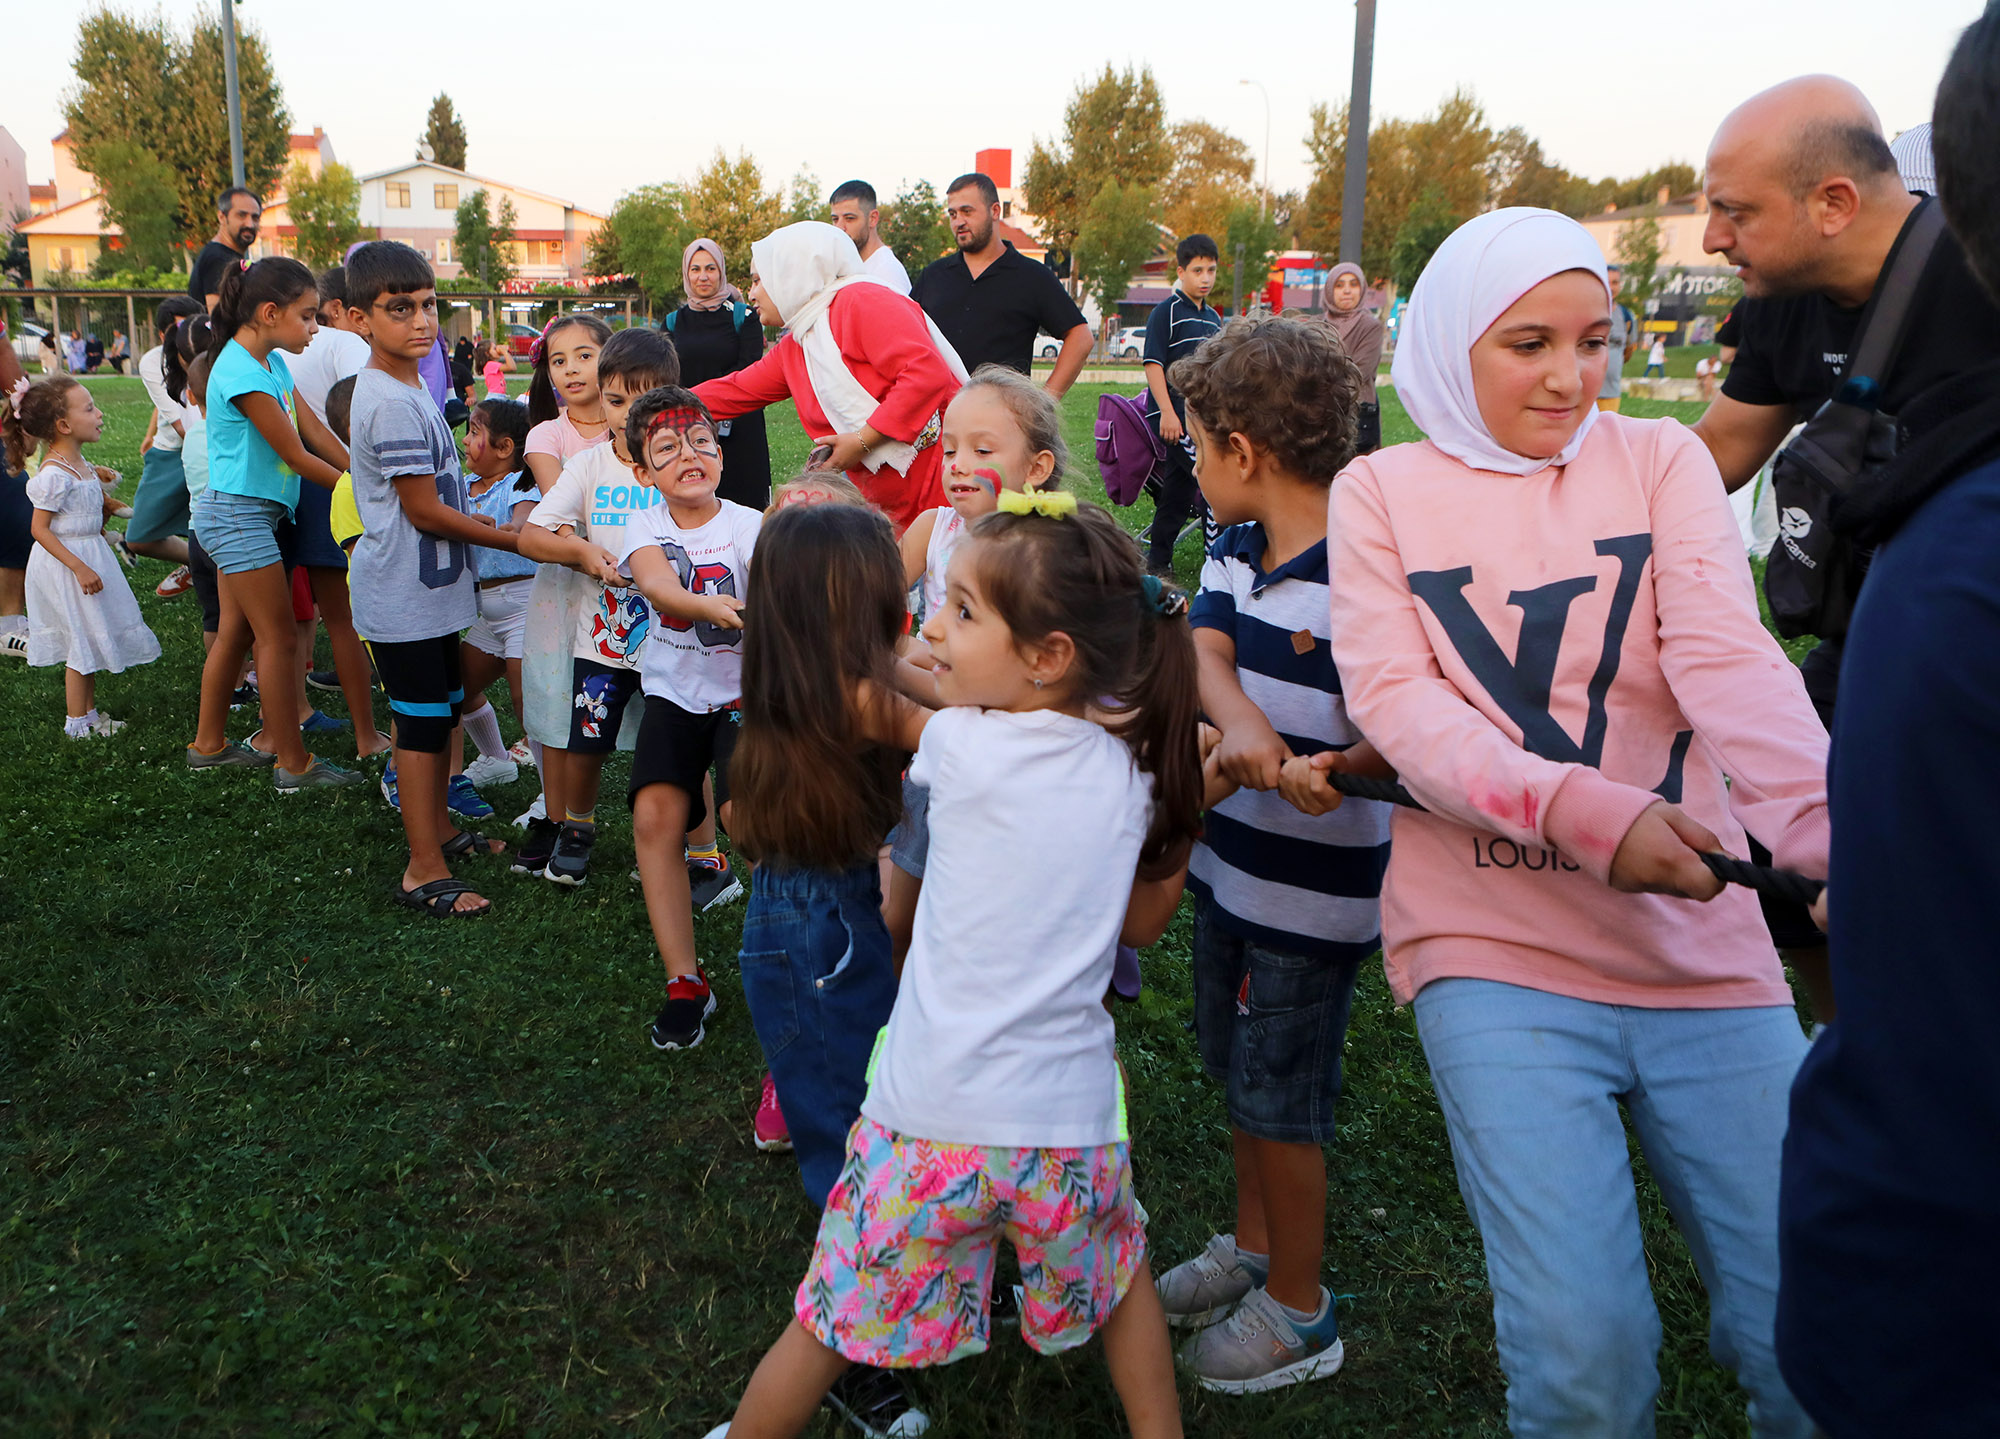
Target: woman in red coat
868 371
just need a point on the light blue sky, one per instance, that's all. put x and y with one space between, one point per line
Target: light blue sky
907 90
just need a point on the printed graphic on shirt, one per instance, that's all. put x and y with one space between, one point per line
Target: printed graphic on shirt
1521 686
619 625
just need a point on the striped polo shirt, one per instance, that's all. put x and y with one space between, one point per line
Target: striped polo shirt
1307 884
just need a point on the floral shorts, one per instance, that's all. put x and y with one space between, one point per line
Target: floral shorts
904 1263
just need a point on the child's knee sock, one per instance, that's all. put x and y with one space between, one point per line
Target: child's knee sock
535 753
483 725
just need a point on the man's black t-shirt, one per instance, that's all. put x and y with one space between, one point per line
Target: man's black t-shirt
1794 351
206 277
994 319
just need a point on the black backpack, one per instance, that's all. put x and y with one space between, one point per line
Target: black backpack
1813 574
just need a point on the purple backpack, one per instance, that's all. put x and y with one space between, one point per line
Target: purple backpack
1128 448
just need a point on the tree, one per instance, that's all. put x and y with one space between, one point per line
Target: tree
326 211
1115 128
140 82
140 198
1119 235
727 202
482 240
1638 250
1427 225
1213 173
444 132
1517 173
913 226
1259 236
802 199
644 237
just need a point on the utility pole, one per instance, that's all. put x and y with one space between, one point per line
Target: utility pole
1236 307
229 85
1354 197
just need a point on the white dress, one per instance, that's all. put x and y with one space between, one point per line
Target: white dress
86 633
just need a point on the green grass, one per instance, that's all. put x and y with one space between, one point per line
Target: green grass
276 1157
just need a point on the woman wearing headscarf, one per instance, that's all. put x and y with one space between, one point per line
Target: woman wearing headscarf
1360 336
716 332
1543 619
868 370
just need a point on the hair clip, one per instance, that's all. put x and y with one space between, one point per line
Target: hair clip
1049 504
17 394
244 264
1165 601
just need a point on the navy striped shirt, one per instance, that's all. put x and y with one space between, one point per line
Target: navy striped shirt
1174 331
1308 884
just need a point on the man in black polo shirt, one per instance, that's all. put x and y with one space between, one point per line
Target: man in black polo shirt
238 213
1805 201
990 300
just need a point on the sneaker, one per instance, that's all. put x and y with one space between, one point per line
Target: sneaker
243 697
768 1129
535 811
320 722
875 1402
679 1025
492 769
14 644
1208 1286
569 862
106 726
533 855
176 584
464 801
327 680
521 752
1259 1346
389 791
231 756
712 882
317 774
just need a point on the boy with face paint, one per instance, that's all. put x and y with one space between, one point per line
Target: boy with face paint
689 556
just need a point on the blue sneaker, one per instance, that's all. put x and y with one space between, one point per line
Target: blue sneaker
464 801
389 787
1262 1346
320 722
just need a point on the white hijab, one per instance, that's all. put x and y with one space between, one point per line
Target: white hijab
1487 264
801 268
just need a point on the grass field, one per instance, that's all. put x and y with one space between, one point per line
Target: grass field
276 1157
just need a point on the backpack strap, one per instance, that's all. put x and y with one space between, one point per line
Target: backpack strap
1887 320
668 323
739 311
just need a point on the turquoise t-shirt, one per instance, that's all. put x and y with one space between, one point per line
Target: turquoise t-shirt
241 461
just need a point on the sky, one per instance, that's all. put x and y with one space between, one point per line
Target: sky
589 111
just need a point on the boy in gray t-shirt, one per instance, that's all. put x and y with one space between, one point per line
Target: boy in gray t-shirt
410 581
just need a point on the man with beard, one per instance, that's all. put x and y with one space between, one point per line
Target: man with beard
238 214
989 300
1805 201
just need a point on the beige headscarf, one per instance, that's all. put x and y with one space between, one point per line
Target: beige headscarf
727 295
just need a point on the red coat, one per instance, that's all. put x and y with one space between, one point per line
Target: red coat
887 347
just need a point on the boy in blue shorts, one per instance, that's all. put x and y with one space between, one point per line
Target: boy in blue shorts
1287 879
410 578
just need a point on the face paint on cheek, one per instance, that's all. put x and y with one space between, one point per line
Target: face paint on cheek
990 480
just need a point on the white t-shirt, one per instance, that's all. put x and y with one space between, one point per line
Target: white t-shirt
152 371
1658 354
946 531
695 664
999 1035
597 495
884 265
332 356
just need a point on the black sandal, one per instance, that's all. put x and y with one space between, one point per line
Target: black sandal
471 842
438 898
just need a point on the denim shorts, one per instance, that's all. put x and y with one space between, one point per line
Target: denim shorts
1270 1025
240 532
910 840
819 984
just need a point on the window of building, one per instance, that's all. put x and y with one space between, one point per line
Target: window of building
444 251
396 194
444 197
1006 209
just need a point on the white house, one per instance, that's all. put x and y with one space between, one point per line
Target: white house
417 203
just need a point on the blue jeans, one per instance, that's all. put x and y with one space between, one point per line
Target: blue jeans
820 985
1531 1085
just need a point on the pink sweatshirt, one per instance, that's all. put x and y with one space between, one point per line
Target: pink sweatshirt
1542 657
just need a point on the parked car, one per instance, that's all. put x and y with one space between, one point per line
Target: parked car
520 338
28 342
1047 347
1129 343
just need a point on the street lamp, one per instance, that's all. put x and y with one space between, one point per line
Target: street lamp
235 103
1264 200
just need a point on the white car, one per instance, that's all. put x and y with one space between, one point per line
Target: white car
1047 347
1129 343
28 342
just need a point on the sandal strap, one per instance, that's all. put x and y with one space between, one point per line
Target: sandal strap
437 896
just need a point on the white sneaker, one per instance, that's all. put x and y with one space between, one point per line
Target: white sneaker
492 769
106 726
537 810
14 645
521 752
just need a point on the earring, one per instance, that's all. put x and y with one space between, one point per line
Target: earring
1038 684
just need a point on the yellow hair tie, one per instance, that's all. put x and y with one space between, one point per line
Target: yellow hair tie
1050 504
